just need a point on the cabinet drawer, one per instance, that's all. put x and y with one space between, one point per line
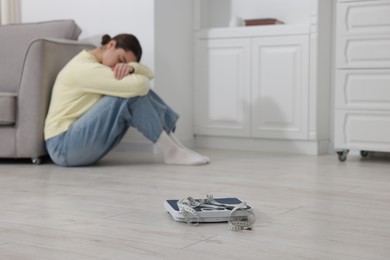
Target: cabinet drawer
362 130
363 17
363 89
363 52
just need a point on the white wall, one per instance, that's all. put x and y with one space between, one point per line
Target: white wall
97 17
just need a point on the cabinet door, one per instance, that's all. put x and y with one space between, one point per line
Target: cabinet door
222 87
280 87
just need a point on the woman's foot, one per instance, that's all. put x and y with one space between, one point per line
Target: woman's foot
184 157
176 154
177 141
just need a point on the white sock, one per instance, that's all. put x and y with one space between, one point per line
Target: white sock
177 141
175 154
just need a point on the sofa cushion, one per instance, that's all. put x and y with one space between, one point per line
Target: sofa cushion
7 108
15 40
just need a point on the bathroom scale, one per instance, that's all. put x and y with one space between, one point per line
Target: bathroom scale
219 211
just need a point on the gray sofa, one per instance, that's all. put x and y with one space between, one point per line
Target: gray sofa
31 55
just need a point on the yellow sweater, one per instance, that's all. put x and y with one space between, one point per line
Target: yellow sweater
82 82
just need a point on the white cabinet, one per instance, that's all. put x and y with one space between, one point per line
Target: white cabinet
253 87
264 88
362 87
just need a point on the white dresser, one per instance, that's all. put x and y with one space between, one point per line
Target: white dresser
362 87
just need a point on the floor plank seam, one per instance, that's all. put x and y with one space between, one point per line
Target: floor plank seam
289 210
350 189
198 242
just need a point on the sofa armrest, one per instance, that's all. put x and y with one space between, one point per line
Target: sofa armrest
43 61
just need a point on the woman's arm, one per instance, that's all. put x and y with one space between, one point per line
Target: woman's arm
123 69
96 78
142 69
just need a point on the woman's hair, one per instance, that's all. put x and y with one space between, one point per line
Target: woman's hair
128 42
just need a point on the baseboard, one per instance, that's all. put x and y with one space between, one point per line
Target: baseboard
232 143
261 145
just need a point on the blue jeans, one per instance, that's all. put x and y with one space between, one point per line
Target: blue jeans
101 128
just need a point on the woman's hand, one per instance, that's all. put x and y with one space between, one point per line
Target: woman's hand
121 70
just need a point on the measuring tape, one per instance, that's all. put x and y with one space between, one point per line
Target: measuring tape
241 216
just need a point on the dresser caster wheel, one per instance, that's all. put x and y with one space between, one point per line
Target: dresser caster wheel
364 154
343 155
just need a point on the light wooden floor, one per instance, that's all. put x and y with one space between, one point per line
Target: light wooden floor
307 207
